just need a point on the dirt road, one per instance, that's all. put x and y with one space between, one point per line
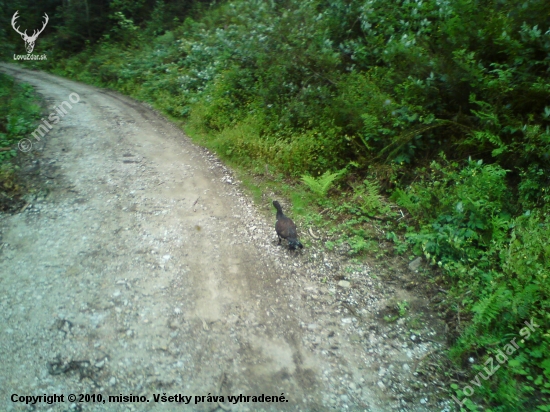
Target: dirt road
141 269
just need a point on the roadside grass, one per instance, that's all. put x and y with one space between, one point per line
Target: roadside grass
344 223
19 113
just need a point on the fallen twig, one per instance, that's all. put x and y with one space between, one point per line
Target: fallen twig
352 311
424 357
219 404
312 235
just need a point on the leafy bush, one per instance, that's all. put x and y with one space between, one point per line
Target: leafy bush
18 114
498 263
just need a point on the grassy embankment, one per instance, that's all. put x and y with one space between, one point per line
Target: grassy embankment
19 112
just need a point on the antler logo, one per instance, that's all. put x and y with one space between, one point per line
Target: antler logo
29 40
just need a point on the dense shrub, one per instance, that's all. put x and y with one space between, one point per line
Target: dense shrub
19 113
498 262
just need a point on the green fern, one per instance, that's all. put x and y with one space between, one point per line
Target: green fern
487 310
403 199
485 136
372 200
525 300
321 185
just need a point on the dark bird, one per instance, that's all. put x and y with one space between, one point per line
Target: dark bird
286 228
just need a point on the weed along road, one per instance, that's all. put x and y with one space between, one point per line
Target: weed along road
140 277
